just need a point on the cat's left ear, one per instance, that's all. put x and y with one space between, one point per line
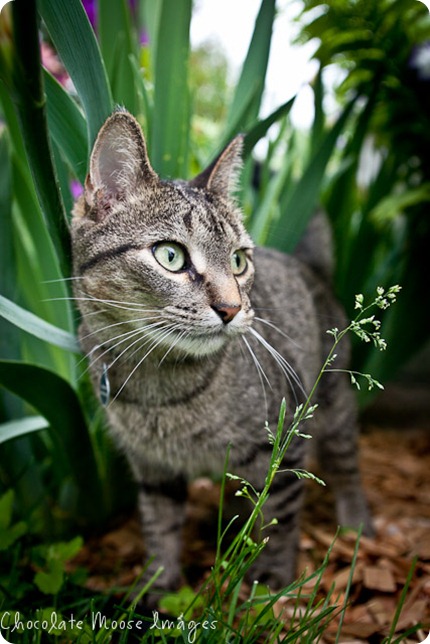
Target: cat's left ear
222 174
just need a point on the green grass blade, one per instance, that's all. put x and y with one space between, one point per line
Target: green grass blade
303 200
67 126
401 602
55 399
254 68
34 325
74 39
171 115
22 427
349 585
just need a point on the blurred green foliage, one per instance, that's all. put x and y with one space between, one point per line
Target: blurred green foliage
379 195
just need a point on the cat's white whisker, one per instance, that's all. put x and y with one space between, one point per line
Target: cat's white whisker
110 326
63 279
177 340
260 371
125 336
141 361
151 337
128 306
289 373
273 326
145 336
139 305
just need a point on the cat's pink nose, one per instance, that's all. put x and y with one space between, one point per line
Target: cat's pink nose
226 311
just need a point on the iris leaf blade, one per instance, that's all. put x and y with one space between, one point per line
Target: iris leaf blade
34 325
75 41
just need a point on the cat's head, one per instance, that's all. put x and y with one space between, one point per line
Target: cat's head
169 258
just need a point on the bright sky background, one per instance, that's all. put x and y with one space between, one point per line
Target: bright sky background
230 24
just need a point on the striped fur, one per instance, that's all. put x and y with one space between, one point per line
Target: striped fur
190 353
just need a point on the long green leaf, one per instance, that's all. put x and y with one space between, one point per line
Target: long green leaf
118 45
259 129
241 117
303 200
44 267
171 115
74 39
144 100
254 68
22 427
38 276
67 126
269 206
55 399
342 203
27 93
391 206
9 340
34 325
319 118
7 273
151 13
27 234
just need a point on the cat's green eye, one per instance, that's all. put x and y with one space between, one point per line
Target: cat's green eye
239 262
170 256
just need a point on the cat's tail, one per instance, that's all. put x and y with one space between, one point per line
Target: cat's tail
316 248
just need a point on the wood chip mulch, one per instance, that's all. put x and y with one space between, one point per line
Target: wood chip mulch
396 474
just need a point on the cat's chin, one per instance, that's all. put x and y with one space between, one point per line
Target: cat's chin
199 346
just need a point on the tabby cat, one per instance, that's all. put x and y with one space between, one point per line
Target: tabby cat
194 336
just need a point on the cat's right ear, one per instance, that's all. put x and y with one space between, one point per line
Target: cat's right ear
119 162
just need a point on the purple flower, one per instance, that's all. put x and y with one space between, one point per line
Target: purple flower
90 8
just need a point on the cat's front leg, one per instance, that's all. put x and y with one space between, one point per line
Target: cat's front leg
162 511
